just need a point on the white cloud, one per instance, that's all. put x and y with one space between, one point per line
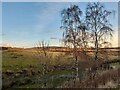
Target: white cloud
6 45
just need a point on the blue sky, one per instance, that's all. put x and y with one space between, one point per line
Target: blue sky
26 23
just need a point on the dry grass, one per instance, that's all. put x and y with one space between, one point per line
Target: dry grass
108 79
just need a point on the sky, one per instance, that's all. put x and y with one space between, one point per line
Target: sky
26 23
59 0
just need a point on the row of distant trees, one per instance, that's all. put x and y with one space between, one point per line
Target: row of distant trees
94 30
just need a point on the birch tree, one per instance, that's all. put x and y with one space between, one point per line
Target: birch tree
71 20
98 23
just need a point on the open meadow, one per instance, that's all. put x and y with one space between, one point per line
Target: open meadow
24 69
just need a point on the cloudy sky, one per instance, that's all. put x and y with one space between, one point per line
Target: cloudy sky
26 23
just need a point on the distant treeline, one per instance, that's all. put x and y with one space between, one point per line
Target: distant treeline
67 49
10 48
52 48
4 48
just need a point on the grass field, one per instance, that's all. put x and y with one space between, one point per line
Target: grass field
24 69
18 61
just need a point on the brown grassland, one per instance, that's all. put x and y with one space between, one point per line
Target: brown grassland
23 68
